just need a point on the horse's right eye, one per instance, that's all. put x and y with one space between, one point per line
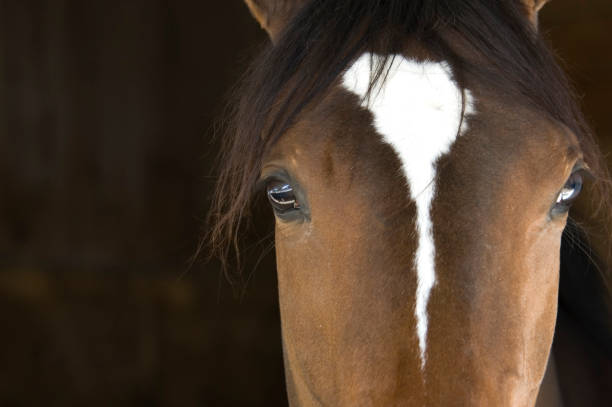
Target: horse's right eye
282 197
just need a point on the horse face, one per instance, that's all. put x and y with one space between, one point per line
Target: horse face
417 237
418 230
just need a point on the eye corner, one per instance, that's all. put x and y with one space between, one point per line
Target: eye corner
581 166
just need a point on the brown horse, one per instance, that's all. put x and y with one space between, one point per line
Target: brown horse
421 158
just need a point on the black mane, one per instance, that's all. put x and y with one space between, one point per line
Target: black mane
327 35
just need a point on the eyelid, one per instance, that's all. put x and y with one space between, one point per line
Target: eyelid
584 170
580 165
271 173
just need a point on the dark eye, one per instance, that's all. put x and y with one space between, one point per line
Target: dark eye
570 192
282 197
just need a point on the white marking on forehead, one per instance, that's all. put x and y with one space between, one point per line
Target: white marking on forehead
418 111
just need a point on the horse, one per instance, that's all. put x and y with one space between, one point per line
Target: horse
421 158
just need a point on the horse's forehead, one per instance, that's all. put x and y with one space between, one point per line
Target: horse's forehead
419 111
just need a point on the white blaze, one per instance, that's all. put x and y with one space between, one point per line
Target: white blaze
418 112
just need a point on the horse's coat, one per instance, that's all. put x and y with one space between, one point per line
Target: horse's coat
419 111
480 226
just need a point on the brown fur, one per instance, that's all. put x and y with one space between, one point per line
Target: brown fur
346 275
347 299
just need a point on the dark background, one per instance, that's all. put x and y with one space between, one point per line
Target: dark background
107 109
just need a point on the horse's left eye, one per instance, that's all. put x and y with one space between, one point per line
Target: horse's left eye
570 192
282 197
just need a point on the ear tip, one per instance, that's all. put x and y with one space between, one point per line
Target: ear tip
273 15
539 4
256 10
260 12
533 7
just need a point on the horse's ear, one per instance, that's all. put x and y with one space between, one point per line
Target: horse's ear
274 15
532 8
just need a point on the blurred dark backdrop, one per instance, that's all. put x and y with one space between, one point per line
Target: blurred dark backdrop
106 113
